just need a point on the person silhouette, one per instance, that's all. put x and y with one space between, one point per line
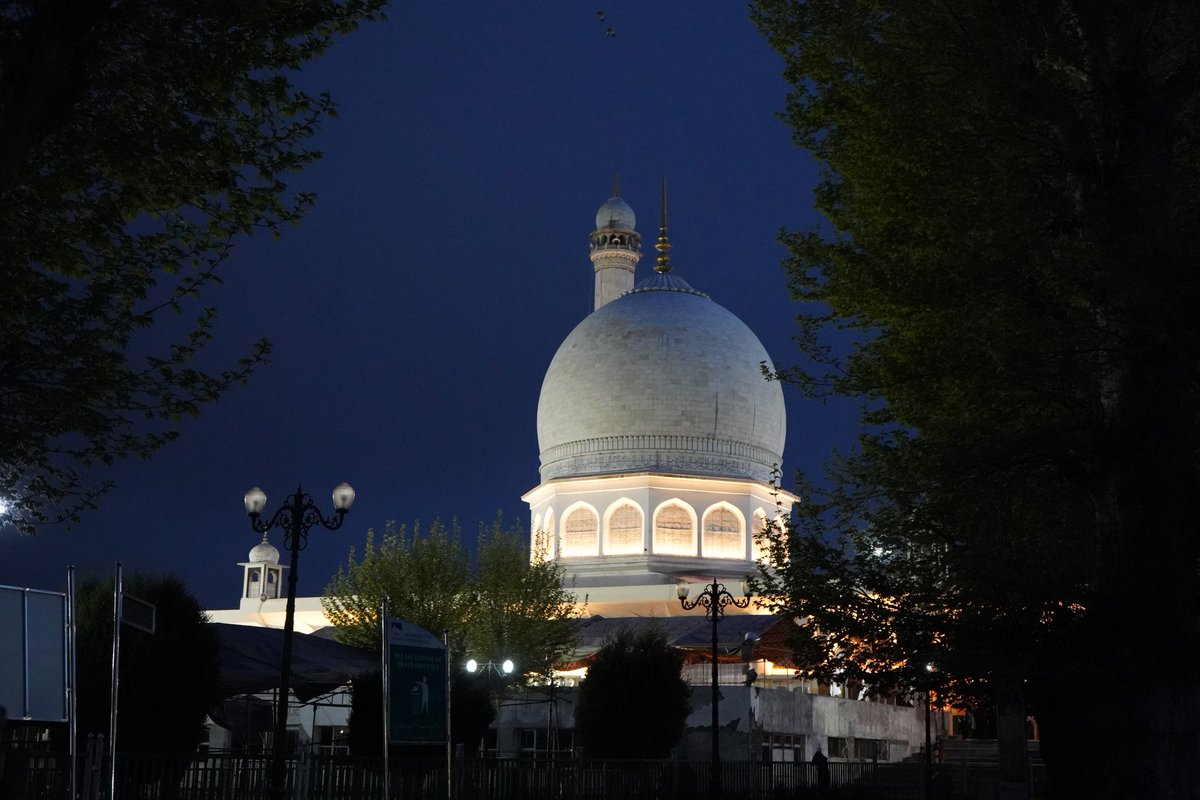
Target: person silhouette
423 686
822 764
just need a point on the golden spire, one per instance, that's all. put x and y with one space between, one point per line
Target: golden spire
663 264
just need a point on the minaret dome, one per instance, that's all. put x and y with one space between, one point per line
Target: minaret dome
616 214
615 248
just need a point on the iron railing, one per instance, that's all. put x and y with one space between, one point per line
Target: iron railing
237 776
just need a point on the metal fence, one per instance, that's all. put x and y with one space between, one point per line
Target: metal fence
233 776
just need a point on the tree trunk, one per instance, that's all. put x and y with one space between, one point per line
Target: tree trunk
1126 724
1010 736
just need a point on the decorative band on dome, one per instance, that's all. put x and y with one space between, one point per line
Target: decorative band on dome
699 455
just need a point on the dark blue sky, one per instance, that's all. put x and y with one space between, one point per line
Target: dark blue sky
414 312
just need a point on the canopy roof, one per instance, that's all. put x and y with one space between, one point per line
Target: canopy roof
249 659
684 632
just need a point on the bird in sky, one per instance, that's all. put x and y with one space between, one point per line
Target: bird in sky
610 32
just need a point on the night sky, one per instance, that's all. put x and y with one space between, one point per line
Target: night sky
414 312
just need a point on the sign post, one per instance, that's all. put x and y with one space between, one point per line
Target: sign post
136 613
115 685
416 685
449 744
384 654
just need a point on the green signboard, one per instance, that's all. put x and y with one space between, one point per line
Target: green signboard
416 685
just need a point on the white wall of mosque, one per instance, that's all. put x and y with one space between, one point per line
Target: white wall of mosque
652 515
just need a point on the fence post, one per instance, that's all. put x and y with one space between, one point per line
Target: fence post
93 765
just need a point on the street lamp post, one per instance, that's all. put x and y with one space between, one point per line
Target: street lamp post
714 599
928 752
295 517
929 670
506 668
499 673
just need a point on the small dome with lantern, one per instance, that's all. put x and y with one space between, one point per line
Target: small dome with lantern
616 213
263 553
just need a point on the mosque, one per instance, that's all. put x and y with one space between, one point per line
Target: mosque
660 445
659 436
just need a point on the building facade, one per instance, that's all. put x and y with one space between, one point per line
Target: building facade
660 440
661 445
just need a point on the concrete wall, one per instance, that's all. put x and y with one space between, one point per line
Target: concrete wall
746 713
820 717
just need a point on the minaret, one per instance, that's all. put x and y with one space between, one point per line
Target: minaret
263 576
615 248
662 264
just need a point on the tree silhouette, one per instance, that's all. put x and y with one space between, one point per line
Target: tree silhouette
633 702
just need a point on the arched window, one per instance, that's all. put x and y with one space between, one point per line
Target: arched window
758 549
539 543
581 533
674 531
624 532
723 534
253 582
551 539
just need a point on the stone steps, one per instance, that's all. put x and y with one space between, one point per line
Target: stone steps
982 753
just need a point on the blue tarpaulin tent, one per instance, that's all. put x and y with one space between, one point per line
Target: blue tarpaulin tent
249 661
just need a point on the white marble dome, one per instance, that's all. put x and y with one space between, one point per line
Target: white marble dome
662 379
264 553
616 213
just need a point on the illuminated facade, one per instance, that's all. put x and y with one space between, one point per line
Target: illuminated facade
659 437
660 445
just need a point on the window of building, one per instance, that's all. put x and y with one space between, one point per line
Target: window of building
780 748
871 749
581 533
723 534
624 530
758 550
841 748
551 539
674 531
332 740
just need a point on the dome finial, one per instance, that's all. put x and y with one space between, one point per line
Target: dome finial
663 263
617 185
